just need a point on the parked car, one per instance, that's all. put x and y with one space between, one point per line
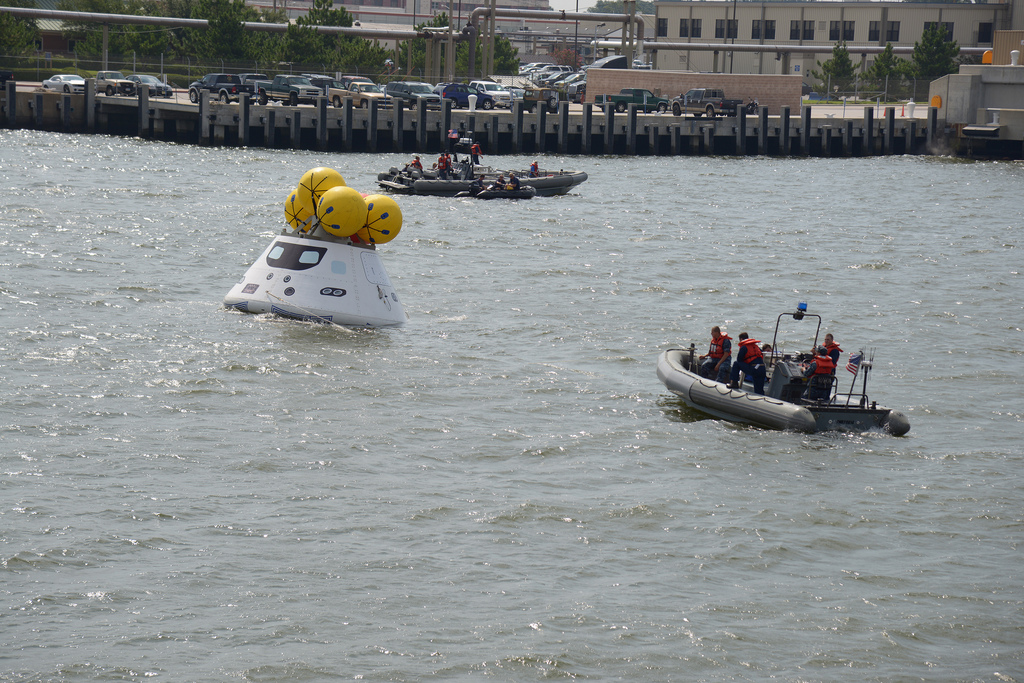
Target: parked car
459 94
225 87
69 83
249 82
410 93
331 87
287 88
516 92
157 88
502 97
113 83
347 81
538 75
544 97
364 93
528 69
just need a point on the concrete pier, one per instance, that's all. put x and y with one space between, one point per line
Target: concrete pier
571 129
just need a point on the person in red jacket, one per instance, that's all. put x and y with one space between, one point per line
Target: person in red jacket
833 348
718 360
750 360
820 373
475 151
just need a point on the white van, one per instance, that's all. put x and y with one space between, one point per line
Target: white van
502 97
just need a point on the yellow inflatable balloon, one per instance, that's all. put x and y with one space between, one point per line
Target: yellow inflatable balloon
314 183
341 211
294 212
383 219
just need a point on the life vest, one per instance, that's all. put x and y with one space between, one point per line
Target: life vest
416 164
534 170
443 162
753 355
824 365
716 351
475 149
833 347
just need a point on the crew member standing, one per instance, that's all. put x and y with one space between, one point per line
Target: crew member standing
444 165
833 348
750 360
820 371
475 151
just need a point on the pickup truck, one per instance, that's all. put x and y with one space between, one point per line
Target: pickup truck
290 89
113 83
644 99
224 87
710 101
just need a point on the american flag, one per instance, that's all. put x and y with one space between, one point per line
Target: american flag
854 362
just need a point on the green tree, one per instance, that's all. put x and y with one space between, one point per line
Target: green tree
838 71
934 55
17 36
615 6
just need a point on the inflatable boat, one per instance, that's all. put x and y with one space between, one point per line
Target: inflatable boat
324 266
426 182
783 405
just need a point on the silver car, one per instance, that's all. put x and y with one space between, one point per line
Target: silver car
69 83
502 97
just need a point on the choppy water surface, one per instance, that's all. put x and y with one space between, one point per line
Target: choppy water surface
502 488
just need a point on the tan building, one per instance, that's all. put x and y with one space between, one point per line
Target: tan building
791 37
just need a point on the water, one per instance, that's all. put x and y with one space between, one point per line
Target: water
502 489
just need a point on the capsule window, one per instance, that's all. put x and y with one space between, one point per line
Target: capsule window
294 256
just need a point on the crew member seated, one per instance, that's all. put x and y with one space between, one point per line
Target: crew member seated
498 184
513 181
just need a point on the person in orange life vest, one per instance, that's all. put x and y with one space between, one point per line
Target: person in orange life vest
718 360
820 371
534 169
444 165
833 348
750 360
475 151
414 165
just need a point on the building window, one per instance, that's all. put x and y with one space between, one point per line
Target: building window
755 30
892 31
662 28
808 30
695 28
948 25
985 32
847 30
732 29
833 30
873 31
794 30
719 28
769 29
684 28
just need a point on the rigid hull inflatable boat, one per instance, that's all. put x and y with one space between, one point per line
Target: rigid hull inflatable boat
783 405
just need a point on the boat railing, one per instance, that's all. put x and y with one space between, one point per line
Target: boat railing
859 399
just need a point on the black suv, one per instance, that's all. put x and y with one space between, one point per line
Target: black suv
225 86
411 93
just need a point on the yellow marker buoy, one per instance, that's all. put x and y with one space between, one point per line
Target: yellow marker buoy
294 212
383 219
314 183
341 211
